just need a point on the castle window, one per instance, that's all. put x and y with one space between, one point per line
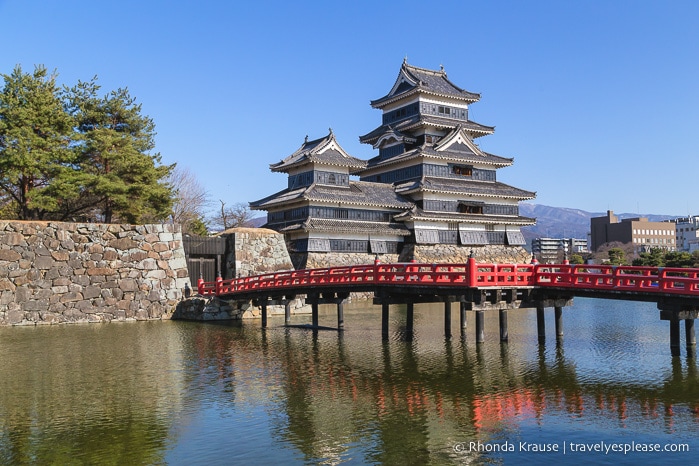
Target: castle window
331 178
462 170
470 208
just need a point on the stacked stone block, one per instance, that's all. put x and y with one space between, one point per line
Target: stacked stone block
53 272
254 251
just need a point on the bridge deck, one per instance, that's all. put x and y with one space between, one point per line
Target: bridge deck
477 287
602 281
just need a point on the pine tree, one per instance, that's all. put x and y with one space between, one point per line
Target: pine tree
117 173
35 144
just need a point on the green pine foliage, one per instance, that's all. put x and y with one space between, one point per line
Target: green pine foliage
73 154
660 258
617 256
196 227
36 135
577 259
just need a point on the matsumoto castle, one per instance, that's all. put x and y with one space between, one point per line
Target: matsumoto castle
430 195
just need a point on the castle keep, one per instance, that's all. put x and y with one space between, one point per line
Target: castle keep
431 194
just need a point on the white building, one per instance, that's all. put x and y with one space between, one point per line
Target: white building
687 233
553 250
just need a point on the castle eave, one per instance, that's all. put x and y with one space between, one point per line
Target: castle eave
347 226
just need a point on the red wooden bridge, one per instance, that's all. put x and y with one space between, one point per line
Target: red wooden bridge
477 287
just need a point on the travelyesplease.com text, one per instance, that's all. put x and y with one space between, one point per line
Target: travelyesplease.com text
563 447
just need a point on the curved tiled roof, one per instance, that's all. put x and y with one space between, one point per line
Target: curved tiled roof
456 186
412 80
348 226
360 193
325 150
419 214
282 197
427 152
420 120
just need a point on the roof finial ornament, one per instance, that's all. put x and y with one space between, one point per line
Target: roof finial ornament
330 130
306 139
405 59
441 67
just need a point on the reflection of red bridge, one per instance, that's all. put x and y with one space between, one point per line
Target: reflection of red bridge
477 287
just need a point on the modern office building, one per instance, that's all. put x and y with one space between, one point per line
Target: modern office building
554 250
644 235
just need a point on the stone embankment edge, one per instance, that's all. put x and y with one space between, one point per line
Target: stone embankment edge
57 272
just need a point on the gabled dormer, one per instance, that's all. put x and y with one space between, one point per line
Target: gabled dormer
458 140
393 143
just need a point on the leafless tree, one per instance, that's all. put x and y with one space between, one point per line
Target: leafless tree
191 199
236 215
602 253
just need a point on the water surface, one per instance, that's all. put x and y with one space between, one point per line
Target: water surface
193 393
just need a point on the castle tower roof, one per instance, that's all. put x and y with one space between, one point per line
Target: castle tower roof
413 80
325 151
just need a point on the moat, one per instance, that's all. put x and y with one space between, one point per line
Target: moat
191 393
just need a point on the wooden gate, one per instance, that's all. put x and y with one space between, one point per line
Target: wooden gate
204 255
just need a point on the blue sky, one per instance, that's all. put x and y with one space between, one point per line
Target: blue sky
597 101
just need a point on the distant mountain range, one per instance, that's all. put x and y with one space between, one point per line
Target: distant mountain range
551 222
562 222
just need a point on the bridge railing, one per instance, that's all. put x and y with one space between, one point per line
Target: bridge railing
503 275
619 278
422 274
473 275
298 278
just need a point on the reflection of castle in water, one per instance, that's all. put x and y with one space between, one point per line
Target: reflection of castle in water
340 392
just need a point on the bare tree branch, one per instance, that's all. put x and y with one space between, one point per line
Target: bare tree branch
191 199
237 215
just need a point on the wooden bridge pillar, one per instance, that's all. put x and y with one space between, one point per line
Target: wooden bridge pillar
462 316
447 318
540 324
341 315
689 336
314 313
504 337
675 337
480 332
409 319
559 322
264 314
384 321
675 313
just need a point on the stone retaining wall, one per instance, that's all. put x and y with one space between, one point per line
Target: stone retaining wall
450 253
53 272
254 251
423 253
210 309
315 260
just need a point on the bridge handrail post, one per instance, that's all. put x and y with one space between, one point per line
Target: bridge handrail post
472 272
219 285
663 283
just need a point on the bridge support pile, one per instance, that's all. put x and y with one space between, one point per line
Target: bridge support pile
478 301
676 311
